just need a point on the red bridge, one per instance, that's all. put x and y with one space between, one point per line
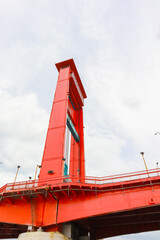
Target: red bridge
63 197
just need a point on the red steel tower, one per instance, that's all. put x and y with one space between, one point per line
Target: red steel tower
64 147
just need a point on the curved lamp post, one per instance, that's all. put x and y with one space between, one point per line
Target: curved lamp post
38 166
18 167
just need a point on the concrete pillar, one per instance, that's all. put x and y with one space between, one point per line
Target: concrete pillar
70 231
42 236
67 230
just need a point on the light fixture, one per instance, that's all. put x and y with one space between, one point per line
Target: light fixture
18 167
38 166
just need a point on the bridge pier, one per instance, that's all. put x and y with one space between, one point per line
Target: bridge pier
69 232
73 232
42 236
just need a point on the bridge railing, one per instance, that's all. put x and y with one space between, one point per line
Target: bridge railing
133 176
66 180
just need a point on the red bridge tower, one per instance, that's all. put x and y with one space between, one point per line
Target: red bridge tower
64 147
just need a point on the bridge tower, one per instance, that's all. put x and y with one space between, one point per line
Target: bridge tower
64 147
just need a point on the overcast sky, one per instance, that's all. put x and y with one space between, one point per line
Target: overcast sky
116 48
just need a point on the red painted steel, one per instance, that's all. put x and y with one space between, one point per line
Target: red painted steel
62 195
90 197
68 100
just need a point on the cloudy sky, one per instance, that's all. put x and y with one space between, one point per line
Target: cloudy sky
116 48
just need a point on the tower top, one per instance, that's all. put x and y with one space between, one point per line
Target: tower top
70 62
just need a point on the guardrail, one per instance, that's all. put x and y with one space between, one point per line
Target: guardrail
94 181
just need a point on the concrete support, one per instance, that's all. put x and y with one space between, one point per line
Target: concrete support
42 236
70 231
67 230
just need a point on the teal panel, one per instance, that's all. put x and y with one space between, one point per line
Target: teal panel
72 129
65 169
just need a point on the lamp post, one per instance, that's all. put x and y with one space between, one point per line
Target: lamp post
18 167
142 153
157 168
38 166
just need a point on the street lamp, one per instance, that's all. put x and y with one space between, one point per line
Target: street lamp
142 153
38 166
18 167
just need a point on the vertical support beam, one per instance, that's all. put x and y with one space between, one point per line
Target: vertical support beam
82 158
77 159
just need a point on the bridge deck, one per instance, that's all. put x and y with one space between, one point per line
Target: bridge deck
87 202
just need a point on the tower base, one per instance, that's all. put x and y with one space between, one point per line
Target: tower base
42 236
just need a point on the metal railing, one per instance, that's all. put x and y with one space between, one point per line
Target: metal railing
86 181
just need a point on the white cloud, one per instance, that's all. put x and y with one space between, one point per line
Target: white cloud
102 155
22 130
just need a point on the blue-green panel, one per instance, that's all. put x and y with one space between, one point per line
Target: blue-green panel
72 129
65 169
